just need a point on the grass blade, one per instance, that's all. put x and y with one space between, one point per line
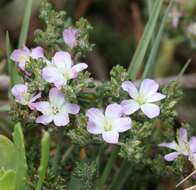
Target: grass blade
145 40
183 70
45 146
156 44
25 25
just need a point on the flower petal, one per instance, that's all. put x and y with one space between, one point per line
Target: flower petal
70 36
171 156
129 106
182 133
155 97
129 87
71 108
61 119
44 107
77 68
150 110
44 119
37 52
19 90
113 111
93 128
52 75
95 115
148 87
110 137
62 60
122 124
171 145
192 144
32 100
56 97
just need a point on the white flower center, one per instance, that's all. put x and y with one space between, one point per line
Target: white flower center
140 100
25 98
107 125
55 110
67 74
24 57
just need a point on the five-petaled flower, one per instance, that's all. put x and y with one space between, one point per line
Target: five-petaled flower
143 98
22 96
109 124
181 147
70 36
61 69
23 55
56 109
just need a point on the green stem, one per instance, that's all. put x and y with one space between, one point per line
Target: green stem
67 153
107 169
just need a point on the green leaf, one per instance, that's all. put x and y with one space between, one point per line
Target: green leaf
20 158
145 40
7 153
45 146
12 70
153 53
7 180
25 25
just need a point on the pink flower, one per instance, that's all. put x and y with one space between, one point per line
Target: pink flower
192 28
61 69
56 109
181 147
143 98
109 124
70 36
20 92
23 55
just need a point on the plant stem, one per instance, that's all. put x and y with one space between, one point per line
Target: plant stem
107 169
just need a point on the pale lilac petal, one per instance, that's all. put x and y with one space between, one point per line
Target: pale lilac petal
171 145
32 100
192 144
129 106
113 111
182 135
19 90
150 110
44 107
95 115
62 60
70 37
155 97
15 56
171 156
61 119
71 108
93 128
130 88
56 97
122 124
77 68
110 137
37 52
44 119
148 87
52 75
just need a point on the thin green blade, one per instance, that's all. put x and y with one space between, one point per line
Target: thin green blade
145 40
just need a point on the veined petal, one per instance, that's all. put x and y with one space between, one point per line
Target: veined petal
52 75
182 134
37 52
113 111
122 124
56 97
19 90
150 110
129 87
155 97
61 119
44 107
71 108
192 144
93 128
44 119
110 137
129 106
148 87
95 115
62 60
171 145
77 68
171 156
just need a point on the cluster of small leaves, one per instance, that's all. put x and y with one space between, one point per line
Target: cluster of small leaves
86 173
